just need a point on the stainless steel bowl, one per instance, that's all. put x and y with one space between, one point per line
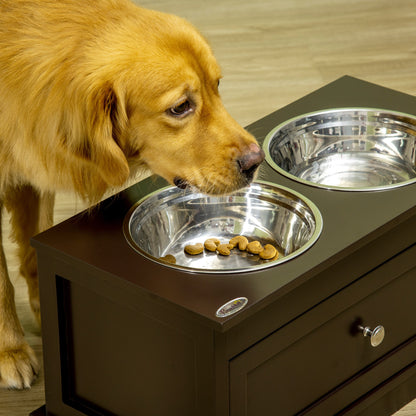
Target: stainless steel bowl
347 149
166 221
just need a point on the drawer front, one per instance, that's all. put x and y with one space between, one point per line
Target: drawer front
322 349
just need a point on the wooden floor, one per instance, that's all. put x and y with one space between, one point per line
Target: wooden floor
272 52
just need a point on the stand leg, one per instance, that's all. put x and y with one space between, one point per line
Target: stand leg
39 412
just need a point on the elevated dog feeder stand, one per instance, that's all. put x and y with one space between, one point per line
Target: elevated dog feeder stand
329 332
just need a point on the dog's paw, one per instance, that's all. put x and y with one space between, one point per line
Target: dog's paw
18 368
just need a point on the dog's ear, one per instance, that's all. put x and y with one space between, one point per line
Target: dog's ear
107 119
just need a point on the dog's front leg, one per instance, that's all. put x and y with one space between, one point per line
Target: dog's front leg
18 364
31 213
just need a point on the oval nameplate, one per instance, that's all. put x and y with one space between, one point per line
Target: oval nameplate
231 307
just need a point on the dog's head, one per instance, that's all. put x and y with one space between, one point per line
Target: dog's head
158 105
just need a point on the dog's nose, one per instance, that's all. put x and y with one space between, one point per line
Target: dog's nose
251 160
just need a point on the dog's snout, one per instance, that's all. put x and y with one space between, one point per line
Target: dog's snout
250 160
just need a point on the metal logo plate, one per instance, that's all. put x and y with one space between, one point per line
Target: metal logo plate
231 307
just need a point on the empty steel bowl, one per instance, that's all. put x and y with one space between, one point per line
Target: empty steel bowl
166 221
346 149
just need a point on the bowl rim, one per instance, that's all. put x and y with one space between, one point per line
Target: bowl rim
303 249
273 165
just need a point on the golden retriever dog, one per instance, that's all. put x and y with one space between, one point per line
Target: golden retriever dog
89 93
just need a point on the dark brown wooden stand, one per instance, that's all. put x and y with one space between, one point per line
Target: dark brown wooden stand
39 412
123 335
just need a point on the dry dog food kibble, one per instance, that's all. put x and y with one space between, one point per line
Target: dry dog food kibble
268 253
211 244
239 241
168 258
225 249
194 249
254 247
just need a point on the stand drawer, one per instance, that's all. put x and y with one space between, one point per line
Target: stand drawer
308 358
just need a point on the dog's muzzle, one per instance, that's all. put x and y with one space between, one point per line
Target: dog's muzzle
247 165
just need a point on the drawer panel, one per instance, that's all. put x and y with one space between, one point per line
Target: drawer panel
322 349
345 396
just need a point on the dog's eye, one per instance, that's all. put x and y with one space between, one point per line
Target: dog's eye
182 109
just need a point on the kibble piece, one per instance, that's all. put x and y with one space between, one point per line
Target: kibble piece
268 253
194 249
224 249
254 247
168 258
276 256
211 244
240 241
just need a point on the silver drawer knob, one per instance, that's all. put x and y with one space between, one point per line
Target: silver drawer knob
376 335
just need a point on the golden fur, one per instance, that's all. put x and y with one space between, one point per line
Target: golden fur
90 92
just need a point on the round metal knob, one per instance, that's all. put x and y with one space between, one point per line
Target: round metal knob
376 335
